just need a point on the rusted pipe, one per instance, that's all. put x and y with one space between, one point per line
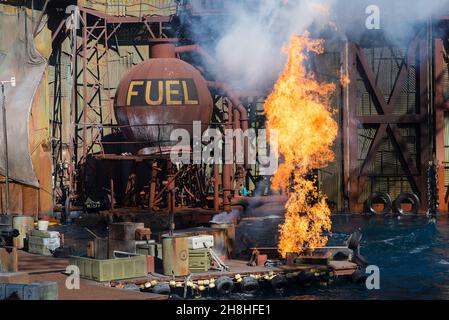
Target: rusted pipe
111 181
240 170
235 99
227 168
163 50
216 187
152 196
198 49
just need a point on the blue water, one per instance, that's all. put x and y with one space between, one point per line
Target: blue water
412 253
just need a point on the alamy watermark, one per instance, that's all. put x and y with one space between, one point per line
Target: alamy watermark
373 279
215 147
72 22
372 21
73 280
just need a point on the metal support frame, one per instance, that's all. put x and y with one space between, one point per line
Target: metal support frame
441 108
91 105
387 122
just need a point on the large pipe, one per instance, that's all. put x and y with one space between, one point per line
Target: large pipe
198 49
152 196
216 187
235 99
227 168
240 172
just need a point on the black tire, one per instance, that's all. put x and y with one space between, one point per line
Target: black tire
249 285
224 285
279 282
306 278
385 197
413 198
162 288
63 252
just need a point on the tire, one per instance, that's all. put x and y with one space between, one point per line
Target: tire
306 278
379 195
413 198
224 285
162 288
249 285
279 282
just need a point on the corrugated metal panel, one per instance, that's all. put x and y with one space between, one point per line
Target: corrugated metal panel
327 68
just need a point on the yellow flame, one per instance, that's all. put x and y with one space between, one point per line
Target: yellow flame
299 109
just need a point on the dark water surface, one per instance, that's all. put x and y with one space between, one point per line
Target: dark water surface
412 253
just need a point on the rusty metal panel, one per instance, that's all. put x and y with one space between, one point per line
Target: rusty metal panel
442 122
19 59
327 67
388 104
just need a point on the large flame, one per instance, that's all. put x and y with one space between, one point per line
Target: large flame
299 109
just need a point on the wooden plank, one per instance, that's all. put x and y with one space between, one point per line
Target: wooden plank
9 259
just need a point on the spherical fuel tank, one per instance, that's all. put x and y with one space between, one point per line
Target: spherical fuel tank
160 95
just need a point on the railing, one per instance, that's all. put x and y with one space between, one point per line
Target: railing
134 8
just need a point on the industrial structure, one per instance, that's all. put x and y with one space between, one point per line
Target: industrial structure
76 144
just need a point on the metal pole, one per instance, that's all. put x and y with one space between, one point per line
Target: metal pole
5 140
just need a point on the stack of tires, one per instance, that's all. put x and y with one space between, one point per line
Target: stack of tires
392 205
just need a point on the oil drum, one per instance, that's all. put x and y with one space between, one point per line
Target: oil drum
175 255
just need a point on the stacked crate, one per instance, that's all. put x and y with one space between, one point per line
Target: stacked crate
199 260
199 257
111 269
43 242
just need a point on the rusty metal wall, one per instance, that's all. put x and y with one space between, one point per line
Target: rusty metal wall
442 120
389 128
327 67
27 113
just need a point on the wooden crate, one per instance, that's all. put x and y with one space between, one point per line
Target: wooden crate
111 269
199 260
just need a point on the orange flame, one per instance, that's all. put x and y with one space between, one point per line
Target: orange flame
345 80
299 109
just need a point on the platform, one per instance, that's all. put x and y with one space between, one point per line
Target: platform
41 268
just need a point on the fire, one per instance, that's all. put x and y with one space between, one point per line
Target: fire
344 80
299 109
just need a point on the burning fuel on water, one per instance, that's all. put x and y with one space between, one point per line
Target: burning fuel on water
299 109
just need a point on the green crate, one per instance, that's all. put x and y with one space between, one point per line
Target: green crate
42 241
39 249
199 260
111 269
146 249
40 233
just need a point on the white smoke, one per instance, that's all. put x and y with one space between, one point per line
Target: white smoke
249 52
249 47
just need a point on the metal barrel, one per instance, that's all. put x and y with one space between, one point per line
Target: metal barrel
175 255
23 224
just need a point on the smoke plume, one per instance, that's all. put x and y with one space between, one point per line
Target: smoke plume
247 41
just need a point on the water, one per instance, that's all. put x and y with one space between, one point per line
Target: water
412 253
